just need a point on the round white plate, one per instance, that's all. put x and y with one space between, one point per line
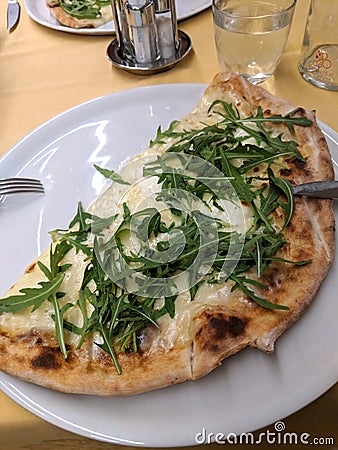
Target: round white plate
39 12
251 389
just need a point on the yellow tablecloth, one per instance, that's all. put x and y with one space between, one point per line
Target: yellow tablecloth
44 72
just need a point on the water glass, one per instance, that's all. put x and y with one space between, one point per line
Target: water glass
319 57
251 35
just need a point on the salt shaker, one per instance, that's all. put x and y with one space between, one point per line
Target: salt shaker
143 31
319 57
166 21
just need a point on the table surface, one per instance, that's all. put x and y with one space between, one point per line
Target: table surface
44 72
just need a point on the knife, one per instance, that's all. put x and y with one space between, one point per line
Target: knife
13 14
321 189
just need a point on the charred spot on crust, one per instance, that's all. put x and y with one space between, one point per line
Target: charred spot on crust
219 327
3 350
301 165
285 172
49 359
30 267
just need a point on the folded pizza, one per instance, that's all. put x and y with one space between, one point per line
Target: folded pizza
196 250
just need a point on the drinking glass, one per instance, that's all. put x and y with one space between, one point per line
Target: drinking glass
251 35
319 57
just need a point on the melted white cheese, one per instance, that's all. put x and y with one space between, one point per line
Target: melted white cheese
139 195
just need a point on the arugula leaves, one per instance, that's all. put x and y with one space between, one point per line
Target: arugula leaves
83 9
225 155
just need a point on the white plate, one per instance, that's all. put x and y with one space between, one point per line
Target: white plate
251 389
39 12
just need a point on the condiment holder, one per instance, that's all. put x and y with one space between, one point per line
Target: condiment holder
147 38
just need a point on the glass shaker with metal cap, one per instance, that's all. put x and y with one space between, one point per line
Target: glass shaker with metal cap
165 12
143 31
319 58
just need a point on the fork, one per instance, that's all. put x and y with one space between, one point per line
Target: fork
18 185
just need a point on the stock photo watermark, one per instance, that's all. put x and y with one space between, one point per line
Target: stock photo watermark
277 436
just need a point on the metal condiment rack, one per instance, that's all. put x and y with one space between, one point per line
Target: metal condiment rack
147 38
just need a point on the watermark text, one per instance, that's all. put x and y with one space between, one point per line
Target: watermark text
277 436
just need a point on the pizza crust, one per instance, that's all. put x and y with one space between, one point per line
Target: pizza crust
218 323
90 370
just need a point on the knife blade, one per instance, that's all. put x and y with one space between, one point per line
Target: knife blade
320 189
13 14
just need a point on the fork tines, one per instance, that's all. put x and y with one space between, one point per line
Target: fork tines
17 185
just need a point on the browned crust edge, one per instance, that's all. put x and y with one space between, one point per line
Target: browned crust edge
312 233
91 372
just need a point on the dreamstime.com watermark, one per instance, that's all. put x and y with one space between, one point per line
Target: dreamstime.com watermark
278 436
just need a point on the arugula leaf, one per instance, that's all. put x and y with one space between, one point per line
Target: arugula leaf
111 175
286 188
31 297
161 136
58 318
242 282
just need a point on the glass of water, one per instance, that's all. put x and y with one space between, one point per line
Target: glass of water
251 35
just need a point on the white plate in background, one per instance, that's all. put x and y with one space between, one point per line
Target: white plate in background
40 13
